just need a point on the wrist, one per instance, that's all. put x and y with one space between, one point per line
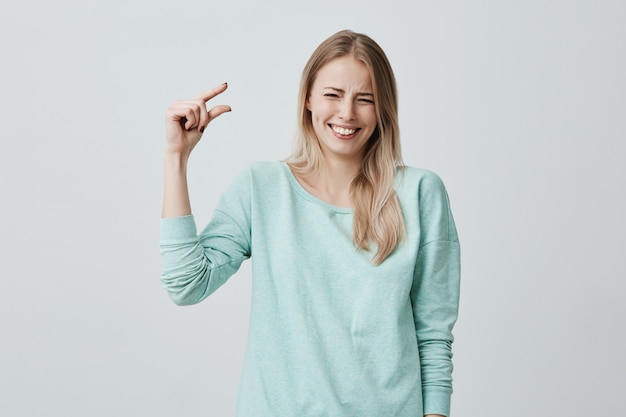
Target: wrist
176 161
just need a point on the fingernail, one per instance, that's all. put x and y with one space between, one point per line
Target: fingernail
225 84
201 129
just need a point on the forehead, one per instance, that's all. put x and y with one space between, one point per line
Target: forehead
345 73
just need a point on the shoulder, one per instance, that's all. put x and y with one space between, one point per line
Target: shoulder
264 173
423 194
266 177
259 170
257 180
418 181
263 169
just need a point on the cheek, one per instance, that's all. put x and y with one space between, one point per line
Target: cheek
321 110
369 117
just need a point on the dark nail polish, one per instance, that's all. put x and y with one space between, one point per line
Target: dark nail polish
201 129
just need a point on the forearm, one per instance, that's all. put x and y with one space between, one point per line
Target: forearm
194 266
175 189
185 121
436 307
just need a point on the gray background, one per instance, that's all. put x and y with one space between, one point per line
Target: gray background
518 105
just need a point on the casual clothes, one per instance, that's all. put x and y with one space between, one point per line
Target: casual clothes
330 333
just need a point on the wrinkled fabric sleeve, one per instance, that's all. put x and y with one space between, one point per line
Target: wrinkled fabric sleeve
194 266
435 294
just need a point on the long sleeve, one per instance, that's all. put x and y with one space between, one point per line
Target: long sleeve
194 266
330 333
435 294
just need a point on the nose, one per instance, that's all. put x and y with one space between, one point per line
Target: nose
346 110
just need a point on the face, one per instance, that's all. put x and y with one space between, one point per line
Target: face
341 102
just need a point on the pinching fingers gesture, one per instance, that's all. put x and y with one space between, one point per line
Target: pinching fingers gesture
185 120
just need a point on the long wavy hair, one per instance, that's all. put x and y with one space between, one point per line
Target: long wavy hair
378 217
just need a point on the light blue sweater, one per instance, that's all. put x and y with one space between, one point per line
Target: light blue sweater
330 333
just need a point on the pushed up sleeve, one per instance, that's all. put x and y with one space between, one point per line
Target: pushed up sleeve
435 294
194 266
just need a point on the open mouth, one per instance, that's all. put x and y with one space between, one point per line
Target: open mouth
343 131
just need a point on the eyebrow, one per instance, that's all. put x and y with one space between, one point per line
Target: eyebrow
339 90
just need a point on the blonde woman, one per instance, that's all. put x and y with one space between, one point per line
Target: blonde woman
355 256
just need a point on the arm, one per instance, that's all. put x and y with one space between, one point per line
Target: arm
435 295
194 266
185 122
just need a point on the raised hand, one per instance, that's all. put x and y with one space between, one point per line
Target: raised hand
185 121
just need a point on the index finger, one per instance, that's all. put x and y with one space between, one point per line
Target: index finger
209 94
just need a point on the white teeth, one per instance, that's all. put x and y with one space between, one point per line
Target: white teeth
343 131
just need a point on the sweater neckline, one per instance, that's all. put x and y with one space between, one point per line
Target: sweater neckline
302 192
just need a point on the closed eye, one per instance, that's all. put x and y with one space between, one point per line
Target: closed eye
331 95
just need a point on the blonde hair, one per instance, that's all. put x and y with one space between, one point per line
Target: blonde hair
377 214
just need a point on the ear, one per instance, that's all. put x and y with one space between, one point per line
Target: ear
307 104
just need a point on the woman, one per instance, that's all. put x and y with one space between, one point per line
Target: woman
355 257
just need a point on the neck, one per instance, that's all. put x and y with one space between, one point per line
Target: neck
332 181
340 169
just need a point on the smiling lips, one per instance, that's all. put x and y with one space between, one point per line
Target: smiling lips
342 131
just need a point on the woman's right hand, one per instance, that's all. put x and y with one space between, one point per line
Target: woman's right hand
185 121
